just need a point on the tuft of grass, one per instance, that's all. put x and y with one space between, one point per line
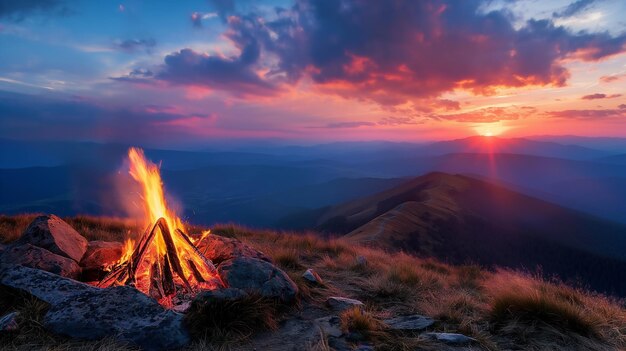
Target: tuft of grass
225 322
286 258
358 320
11 227
538 307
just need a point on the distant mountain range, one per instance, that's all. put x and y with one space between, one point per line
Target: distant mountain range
462 219
261 185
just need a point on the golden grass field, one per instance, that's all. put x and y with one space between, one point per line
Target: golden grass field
503 309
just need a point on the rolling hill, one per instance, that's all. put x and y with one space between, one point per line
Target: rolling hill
462 219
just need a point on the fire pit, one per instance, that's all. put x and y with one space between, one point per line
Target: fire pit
165 264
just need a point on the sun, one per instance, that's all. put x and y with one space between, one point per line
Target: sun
490 129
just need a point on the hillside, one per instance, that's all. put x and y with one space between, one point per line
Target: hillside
462 219
500 309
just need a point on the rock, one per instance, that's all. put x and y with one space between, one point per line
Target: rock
364 347
80 311
39 258
8 323
343 303
293 334
312 276
258 277
99 256
339 344
361 260
2 248
330 326
409 323
219 249
53 234
102 253
450 338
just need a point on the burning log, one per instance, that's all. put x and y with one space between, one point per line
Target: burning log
165 265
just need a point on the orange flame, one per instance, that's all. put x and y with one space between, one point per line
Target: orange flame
127 250
196 270
147 174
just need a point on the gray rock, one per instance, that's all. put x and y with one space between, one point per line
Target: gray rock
8 323
450 338
219 249
312 276
258 277
364 347
99 256
339 344
53 234
330 326
343 303
293 334
409 323
81 311
39 258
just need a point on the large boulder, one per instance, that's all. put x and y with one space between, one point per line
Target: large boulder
36 257
99 256
257 277
78 310
219 249
53 234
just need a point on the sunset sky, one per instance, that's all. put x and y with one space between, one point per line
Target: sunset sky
189 72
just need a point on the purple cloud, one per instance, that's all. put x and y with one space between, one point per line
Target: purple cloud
600 96
388 53
589 114
573 8
134 45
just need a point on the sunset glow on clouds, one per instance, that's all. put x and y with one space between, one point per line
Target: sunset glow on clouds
311 70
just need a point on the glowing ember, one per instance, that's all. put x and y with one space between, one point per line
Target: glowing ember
164 264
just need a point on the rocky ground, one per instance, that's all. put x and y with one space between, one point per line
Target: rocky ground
285 291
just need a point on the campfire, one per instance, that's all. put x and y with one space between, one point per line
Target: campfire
164 263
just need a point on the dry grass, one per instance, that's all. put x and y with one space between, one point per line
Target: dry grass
93 228
224 324
502 309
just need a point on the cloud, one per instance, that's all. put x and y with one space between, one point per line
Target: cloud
589 114
488 114
197 17
137 75
612 78
234 74
573 8
134 45
223 7
355 124
447 104
50 117
390 54
17 10
600 96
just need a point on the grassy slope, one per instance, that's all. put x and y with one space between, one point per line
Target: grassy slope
503 309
